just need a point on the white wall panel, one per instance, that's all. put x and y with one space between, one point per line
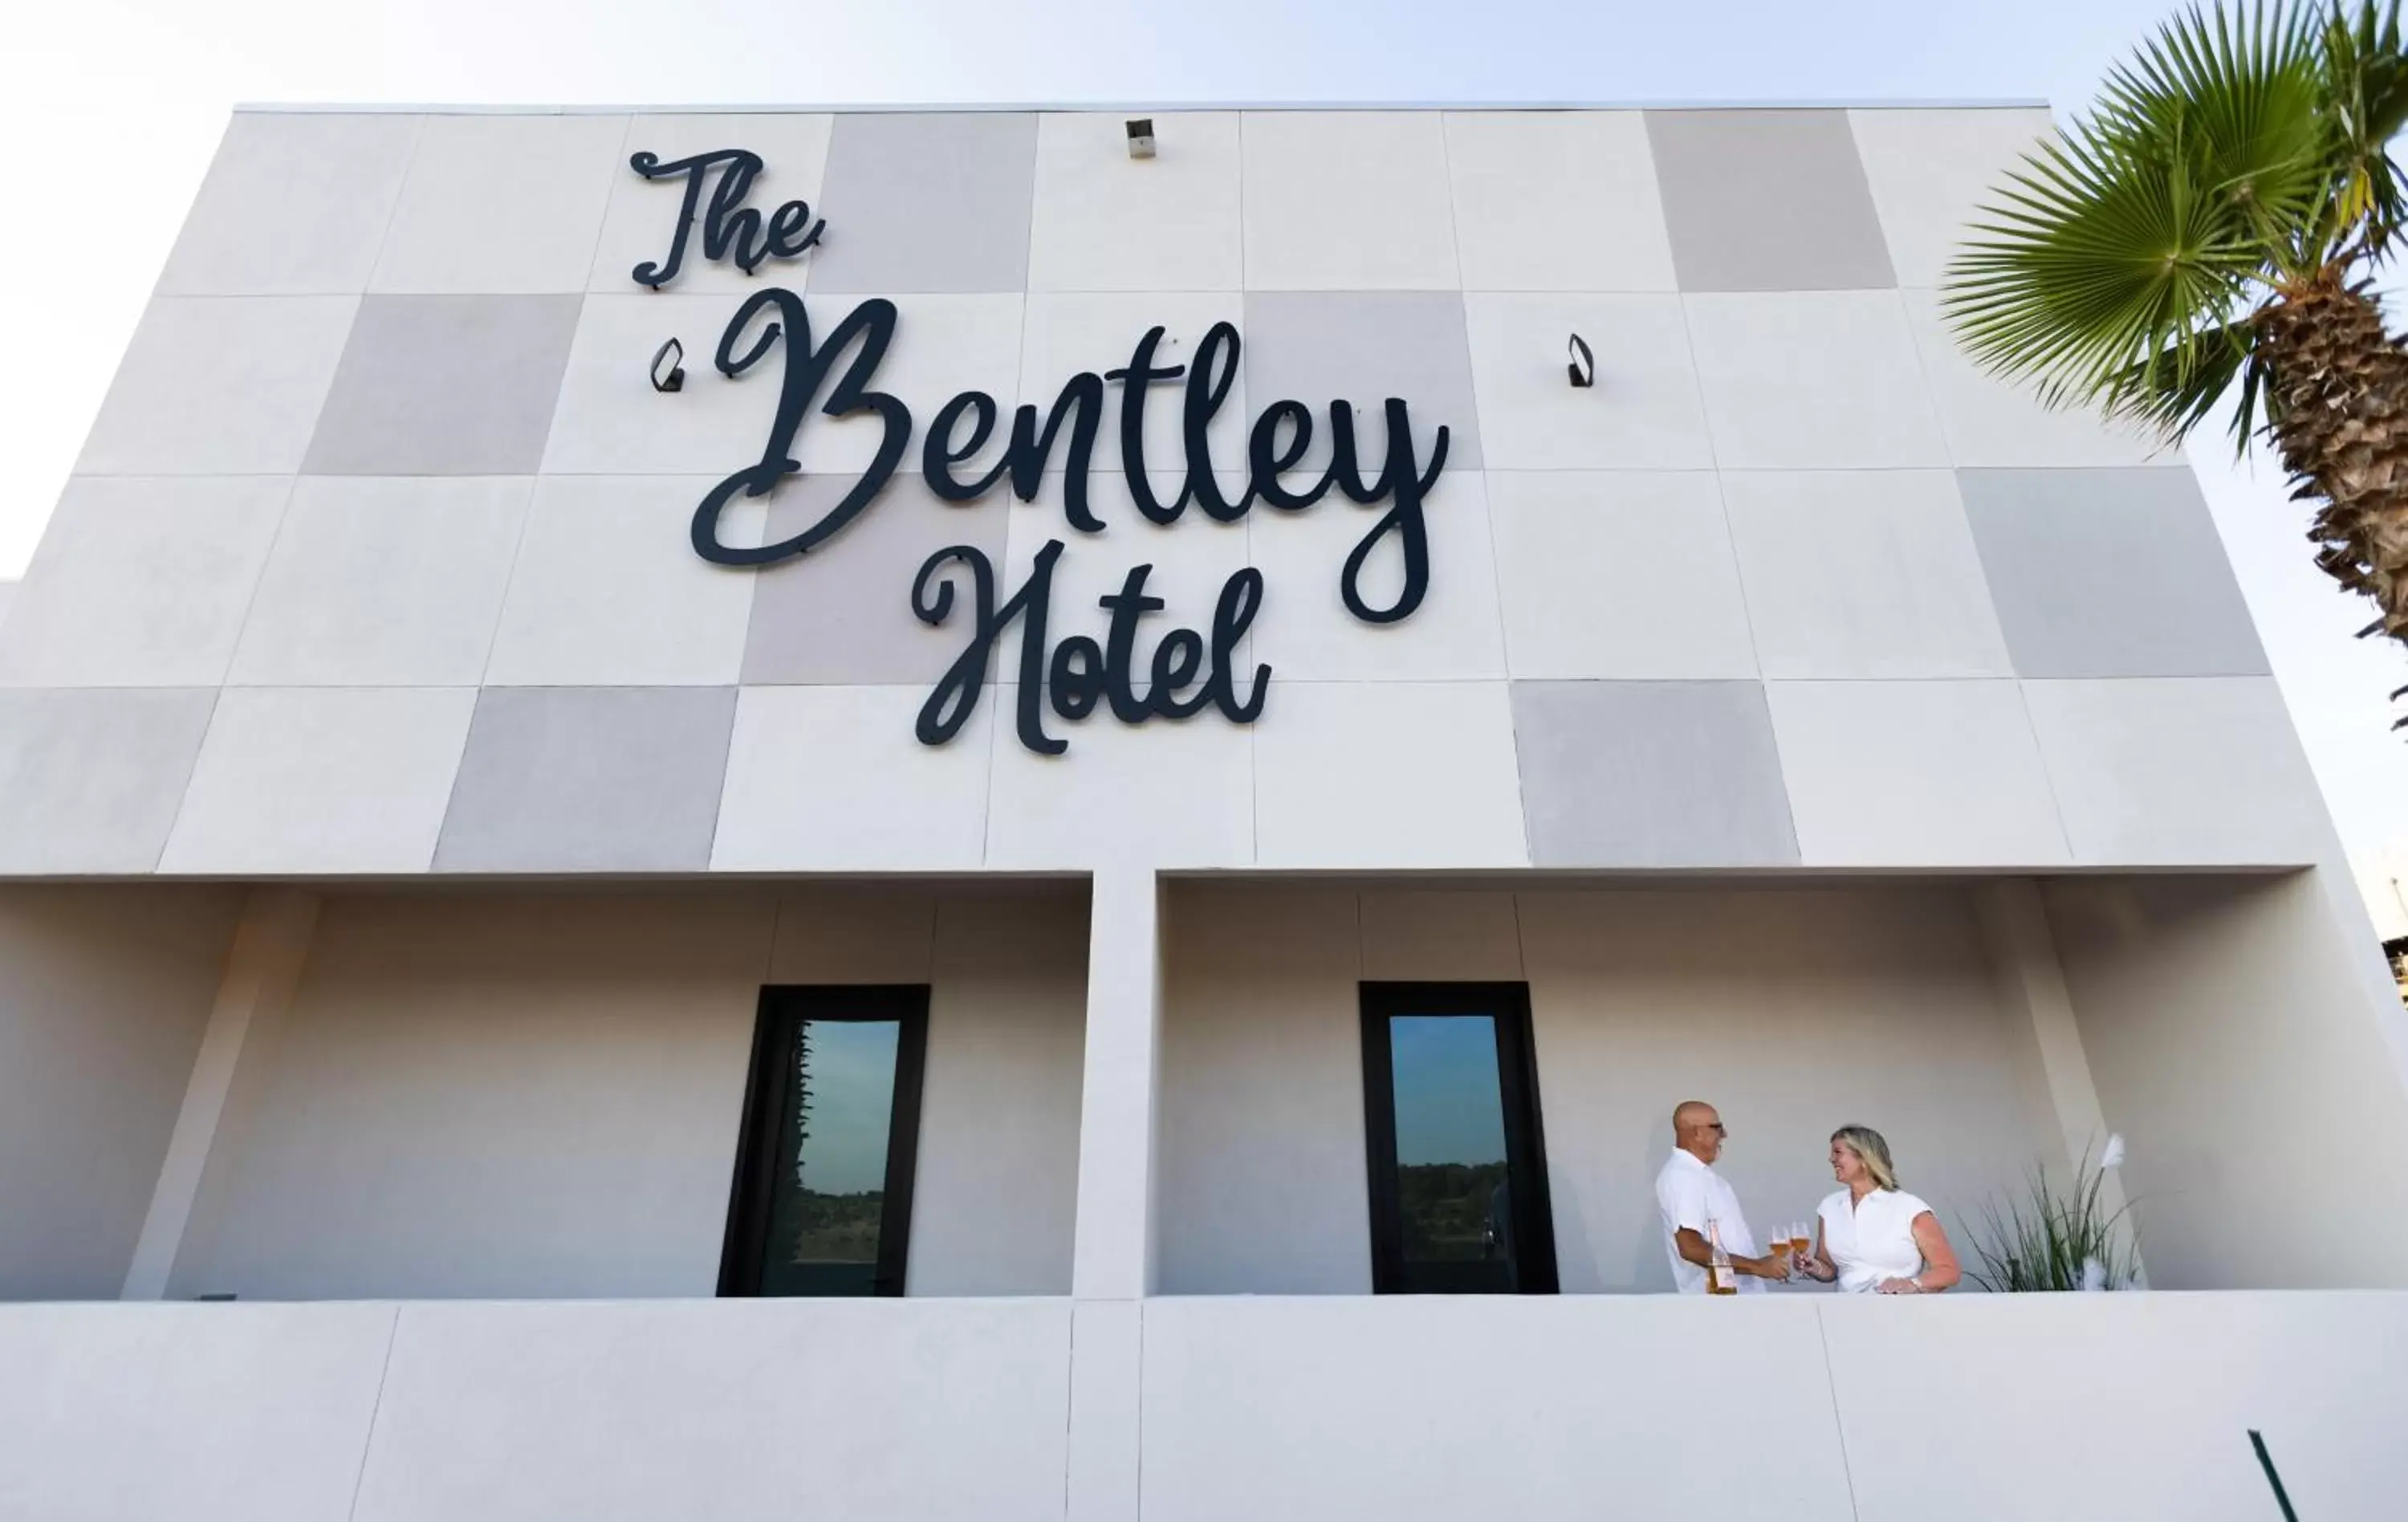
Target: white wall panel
1432 1407
187 1413
1261 1181
293 205
1557 201
1105 222
997 1185
1347 201
881 1411
502 203
2091 1408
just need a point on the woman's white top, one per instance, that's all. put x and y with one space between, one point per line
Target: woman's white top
1874 1239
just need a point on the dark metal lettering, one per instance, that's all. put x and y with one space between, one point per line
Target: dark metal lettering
728 225
872 325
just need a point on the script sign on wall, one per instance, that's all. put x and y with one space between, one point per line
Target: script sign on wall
834 375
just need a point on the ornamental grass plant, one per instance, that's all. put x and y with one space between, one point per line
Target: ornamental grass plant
2053 1239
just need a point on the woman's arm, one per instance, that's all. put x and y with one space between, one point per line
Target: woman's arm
1940 1269
1819 1265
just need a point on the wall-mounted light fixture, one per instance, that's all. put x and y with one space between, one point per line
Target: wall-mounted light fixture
1141 137
668 374
1583 367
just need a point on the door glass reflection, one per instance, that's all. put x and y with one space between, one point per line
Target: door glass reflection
831 1176
1454 1204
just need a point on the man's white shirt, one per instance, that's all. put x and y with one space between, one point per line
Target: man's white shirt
1688 1193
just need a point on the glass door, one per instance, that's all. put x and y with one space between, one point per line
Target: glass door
823 1193
1457 1159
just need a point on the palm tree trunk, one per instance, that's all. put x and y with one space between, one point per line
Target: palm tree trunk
2338 406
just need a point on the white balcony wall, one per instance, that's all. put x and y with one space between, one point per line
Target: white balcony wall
1433 1408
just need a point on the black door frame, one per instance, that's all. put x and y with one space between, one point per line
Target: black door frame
1526 1149
783 1009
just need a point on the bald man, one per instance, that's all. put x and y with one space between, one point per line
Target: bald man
1693 1198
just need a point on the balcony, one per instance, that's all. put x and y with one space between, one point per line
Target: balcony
2006 1408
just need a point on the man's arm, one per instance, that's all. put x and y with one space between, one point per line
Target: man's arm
1694 1248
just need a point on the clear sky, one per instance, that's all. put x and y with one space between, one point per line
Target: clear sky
110 109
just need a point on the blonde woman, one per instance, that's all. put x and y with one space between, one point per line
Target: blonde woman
1873 1236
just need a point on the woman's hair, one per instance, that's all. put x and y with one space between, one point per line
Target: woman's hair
1871 1150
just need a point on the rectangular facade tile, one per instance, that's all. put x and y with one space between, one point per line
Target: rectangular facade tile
1862 574
293 205
321 779
1813 380
606 589
1377 774
1363 347
1766 201
219 386
445 385
842 614
2202 771
512 1410
1105 222
1618 573
589 780
1347 201
2110 573
502 204
90 779
1178 793
1305 630
1929 170
383 581
1651 774
142 583
641 219
1914 774
1557 201
163 1384
1990 422
831 778
1643 413
927 201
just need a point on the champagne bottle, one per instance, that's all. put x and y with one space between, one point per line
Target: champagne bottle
1720 1279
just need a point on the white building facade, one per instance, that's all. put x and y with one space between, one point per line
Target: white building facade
1114 672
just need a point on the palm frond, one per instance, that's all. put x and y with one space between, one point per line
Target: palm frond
2366 69
2116 268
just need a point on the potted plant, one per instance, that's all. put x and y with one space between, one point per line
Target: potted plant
2048 1238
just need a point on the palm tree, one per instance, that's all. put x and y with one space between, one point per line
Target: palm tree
2210 230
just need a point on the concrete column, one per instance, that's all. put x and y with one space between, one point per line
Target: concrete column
1112 1265
1113 1254
2030 983
262 971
